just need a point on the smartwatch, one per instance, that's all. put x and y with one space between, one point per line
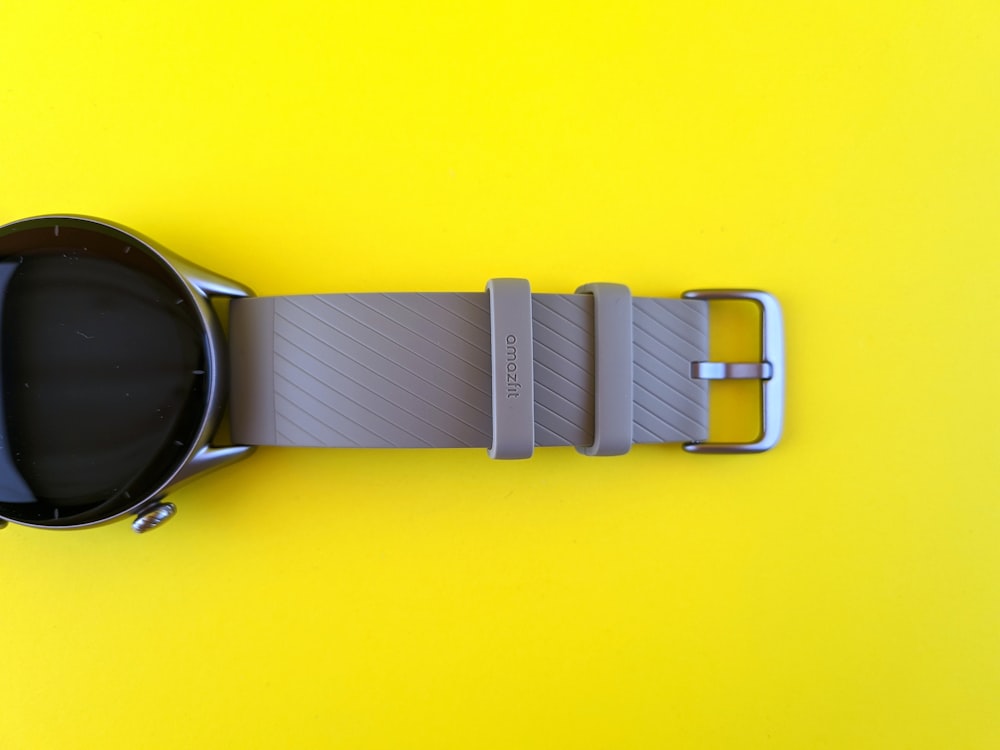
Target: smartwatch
117 370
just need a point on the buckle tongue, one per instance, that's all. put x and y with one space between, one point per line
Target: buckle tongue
770 371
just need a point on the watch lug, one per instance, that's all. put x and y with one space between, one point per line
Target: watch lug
210 283
210 458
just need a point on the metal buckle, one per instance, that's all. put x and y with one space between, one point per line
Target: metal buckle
770 370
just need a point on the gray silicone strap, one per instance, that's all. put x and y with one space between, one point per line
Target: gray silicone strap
416 370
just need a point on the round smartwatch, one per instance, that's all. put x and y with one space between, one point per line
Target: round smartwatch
117 369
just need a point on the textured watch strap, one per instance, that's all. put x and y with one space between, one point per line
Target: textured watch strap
415 370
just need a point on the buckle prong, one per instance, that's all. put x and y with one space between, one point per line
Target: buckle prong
731 370
770 371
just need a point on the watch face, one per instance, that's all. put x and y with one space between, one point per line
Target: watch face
103 366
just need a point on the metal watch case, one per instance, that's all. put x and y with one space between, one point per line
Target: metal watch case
201 286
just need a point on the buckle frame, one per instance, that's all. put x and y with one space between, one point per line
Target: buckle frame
770 371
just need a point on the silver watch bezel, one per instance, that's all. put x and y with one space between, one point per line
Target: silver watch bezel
201 286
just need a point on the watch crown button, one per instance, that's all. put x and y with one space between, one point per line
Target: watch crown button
153 516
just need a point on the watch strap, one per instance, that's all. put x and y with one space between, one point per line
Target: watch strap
602 369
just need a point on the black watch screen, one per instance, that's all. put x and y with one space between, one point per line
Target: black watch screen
102 360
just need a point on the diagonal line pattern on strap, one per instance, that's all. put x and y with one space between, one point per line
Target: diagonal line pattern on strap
421 392
413 369
564 369
668 335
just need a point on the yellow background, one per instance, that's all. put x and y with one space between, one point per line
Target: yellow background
840 592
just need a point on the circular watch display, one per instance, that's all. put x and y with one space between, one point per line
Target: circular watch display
103 367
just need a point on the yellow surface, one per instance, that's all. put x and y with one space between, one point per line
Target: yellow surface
841 592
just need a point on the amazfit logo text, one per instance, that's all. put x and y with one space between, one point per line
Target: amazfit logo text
513 387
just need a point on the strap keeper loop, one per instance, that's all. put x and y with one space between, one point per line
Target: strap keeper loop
513 381
613 382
